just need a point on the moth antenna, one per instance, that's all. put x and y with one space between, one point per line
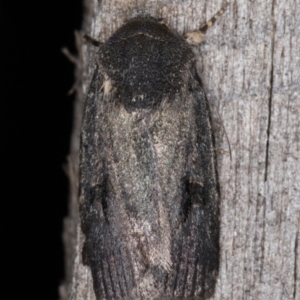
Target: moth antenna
212 21
197 36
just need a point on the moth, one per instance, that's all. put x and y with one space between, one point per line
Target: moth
149 196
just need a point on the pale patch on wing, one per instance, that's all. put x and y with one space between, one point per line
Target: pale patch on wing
155 247
107 86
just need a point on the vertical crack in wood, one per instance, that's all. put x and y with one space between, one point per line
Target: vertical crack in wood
268 133
295 265
271 90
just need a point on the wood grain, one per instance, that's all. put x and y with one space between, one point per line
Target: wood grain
250 64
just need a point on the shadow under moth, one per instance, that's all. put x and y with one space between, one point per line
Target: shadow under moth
149 197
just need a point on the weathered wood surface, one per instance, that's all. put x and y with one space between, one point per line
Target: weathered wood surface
250 64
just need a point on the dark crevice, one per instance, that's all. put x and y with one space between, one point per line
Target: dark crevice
268 133
295 266
187 203
271 90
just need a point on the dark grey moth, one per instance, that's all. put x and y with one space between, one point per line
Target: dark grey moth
149 199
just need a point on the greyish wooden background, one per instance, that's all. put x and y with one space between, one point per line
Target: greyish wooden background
250 64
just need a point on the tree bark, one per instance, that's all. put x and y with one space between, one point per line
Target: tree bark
250 65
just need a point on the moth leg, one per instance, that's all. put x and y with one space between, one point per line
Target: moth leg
196 37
